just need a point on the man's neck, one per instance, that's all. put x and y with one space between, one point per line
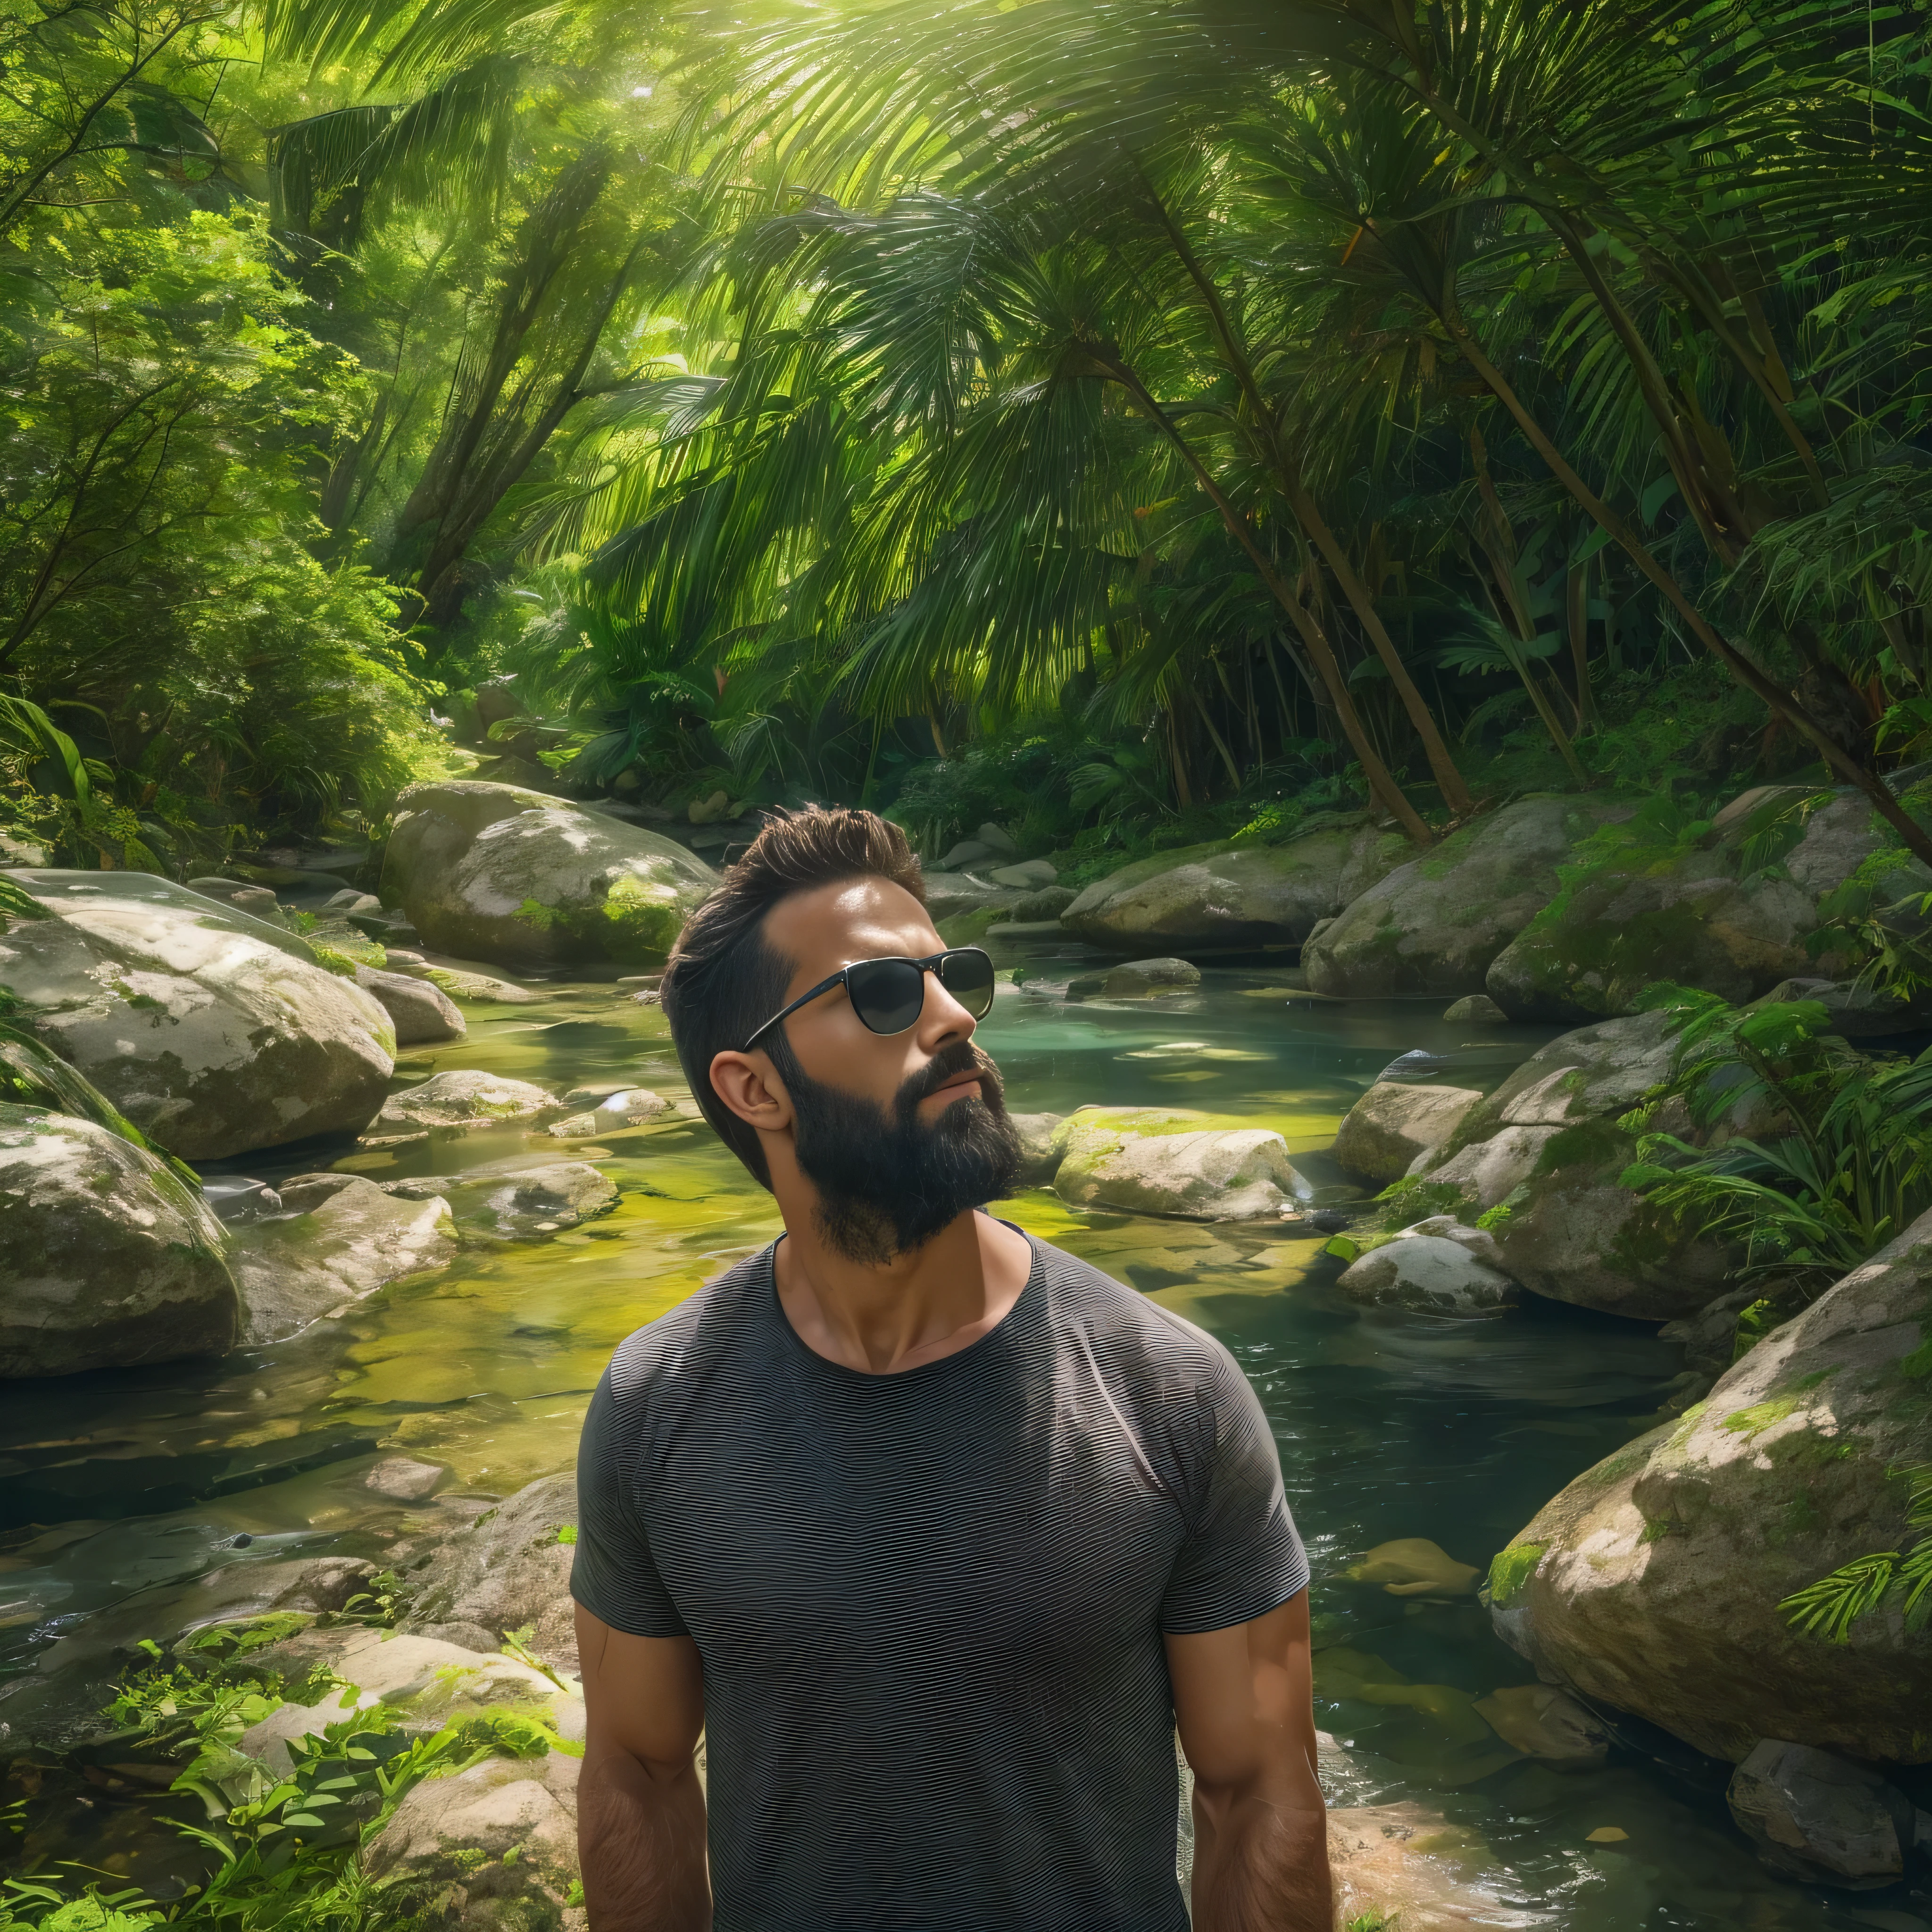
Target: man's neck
917 1308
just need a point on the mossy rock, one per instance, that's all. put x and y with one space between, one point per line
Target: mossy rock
1433 925
511 877
1657 1585
1173 1162
1591 953
215 1033
107 1259
1225 895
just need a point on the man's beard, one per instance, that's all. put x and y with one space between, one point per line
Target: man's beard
887 1183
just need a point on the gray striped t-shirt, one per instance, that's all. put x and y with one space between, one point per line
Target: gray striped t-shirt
930 1605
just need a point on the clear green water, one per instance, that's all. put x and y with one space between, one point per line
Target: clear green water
1390 1424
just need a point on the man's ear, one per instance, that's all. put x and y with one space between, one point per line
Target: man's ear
749 1085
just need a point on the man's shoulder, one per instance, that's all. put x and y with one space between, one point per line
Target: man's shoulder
684 1339
1089 1308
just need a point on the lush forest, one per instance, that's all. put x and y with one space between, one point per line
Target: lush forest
1145 423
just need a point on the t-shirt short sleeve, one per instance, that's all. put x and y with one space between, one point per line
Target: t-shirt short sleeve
614 1575
1243 1556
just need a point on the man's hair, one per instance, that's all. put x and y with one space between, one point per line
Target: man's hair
724 980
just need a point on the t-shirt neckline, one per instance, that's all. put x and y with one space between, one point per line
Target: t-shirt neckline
1009 1325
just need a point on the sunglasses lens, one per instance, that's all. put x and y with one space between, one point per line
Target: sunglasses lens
887 995
967 975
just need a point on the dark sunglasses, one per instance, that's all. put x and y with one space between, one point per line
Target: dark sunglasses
889 995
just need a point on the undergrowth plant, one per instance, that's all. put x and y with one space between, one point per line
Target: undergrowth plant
284 1849
1901 1579
1841 1158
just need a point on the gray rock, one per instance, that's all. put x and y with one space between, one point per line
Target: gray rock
1394 1123
507 1569
321 1260
966 852
1041 1145
462 1099
948 894
996 838
495 1847
107 1259
214 1033
235 1201
512 1199
1709 1338
1479 1241
1153 1160
404 1480
1476 1009
505 875
1653 1583
349 900
1433 926
1546 1145
428 1682
310 1586
1030 875
627 1107
1048 903
422 1013
1594 952
1146 978
257 901
1816 1816
1430 1274
1225 895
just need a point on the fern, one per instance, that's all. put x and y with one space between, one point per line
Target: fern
1829 1607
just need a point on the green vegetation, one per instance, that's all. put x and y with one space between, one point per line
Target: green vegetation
279 1851
1814 1155
1889 1578
1135 425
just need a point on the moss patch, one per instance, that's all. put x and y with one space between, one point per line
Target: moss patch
1510 1570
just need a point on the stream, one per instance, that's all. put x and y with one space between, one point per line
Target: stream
1390 1424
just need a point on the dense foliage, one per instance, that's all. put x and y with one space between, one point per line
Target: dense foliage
1148 421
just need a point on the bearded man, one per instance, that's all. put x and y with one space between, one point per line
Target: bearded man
934 1533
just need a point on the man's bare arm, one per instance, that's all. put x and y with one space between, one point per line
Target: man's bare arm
1243 1699
640 1807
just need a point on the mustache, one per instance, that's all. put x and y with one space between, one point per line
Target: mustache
947 1066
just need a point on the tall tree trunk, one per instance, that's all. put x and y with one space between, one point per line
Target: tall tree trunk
1780 702
1381 781
1288 473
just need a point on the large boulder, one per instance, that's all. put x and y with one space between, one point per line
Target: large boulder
510 1570
1655 1582
107 1257
1705 917
510 877
1543 1158
1396 1122
1593 951
1226 896
1165 1161
1433 925
213 1032
346 1239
